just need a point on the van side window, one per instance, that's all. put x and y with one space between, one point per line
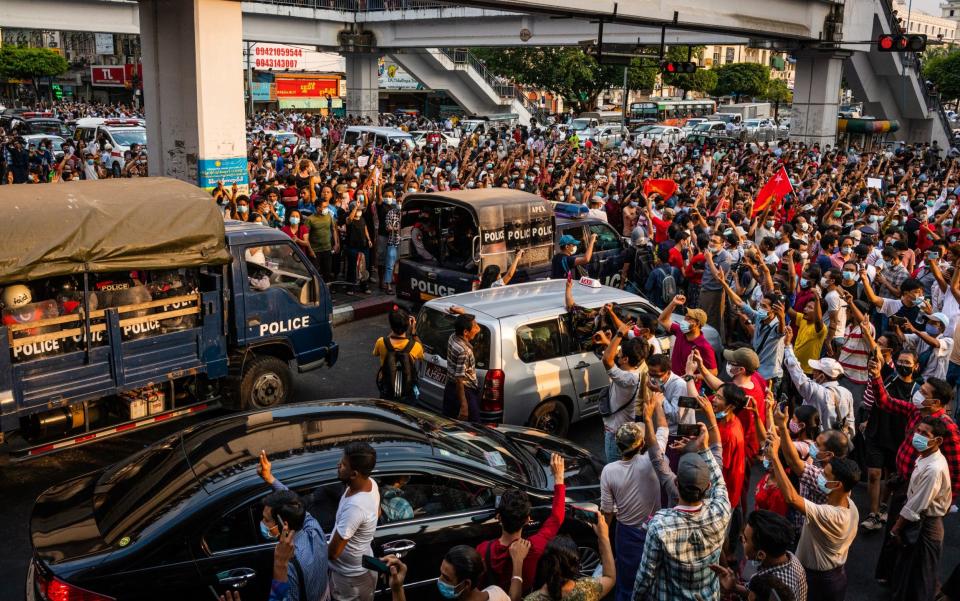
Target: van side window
539 341
279 266
351 138
380 141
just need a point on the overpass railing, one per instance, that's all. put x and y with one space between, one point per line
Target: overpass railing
359 5
503 87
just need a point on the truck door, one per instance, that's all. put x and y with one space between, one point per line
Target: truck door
283 301
607 254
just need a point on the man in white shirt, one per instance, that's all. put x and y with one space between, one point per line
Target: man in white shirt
931 345
660 378
622 360
919 527
355 525
829 528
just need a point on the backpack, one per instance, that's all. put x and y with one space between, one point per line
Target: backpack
397 378
668 285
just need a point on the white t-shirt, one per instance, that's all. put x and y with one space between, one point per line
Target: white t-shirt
835 303
623 393
827 535
356 523
496 593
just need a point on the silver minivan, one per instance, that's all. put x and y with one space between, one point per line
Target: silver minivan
378 137
531 369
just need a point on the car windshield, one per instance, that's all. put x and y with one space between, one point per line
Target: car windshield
131 493
483 446
722 117
702 127
656 130
128 137
580 124
49 127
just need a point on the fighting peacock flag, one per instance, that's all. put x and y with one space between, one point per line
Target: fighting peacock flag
664 187
772 193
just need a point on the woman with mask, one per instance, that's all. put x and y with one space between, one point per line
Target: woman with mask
462 575
299 232
559 568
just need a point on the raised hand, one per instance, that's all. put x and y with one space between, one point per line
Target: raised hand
264 469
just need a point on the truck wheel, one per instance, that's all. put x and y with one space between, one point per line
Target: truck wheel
552 417
266 383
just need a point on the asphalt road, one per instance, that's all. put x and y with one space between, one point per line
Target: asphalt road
353 376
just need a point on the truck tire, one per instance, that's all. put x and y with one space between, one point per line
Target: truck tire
552 417
266 383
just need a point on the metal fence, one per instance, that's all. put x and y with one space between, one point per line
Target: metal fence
502 86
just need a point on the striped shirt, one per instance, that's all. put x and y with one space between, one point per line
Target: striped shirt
461 362
855 353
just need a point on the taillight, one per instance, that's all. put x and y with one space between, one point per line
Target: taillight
52 588
492 399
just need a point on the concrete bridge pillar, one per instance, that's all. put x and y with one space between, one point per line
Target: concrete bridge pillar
363 85
193 90
816 97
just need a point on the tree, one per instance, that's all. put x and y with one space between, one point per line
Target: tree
742 79
944 72
31 63
641 77
567 72
777 92
702 80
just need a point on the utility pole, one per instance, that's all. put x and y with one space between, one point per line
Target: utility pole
626 92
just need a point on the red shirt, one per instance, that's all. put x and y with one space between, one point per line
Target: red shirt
692 276
498 561
675 258
661 229
923 237
683 347
759 395
733 468
301 234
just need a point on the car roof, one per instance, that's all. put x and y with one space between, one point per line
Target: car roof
386 131
533 298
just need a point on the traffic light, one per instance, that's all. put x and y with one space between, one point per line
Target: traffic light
902 43
674 67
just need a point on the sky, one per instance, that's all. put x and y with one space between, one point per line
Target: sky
928 6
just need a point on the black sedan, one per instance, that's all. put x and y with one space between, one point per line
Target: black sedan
179 520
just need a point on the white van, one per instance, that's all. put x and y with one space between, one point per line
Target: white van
120 134
380 137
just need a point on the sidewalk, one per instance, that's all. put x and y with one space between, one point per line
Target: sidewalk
348 308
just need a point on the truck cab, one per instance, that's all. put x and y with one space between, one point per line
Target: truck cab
157 313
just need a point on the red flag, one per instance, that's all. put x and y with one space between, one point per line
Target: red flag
664 187
772 193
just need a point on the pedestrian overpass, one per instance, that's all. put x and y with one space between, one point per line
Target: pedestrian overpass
189 76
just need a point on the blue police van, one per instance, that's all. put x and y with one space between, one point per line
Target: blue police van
128 303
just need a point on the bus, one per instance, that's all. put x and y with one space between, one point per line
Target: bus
669 112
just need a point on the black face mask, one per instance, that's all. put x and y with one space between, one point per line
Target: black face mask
904 370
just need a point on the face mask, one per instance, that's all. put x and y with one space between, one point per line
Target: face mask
918 399
242 209
731 370
762 314
824 283
904 370
794 426
804 227
849 276
634 203
489 165
881 264
721 414
804 283
294 221
715 249
920 442
804 255
822 484
838 213
411 190
846 250
932 330
448 591
89 161
766 464
266 532
894 222
684 326
874 218
769 225
903 198
813 451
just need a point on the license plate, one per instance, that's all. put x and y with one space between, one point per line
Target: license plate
436 373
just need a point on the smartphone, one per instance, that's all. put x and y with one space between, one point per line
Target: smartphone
684 430
688 402
933 254
587 512
372 563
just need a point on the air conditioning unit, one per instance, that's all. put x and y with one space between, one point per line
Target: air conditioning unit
356 41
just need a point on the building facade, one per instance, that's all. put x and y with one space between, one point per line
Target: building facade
916 21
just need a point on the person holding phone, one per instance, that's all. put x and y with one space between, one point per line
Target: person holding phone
300 559
462 575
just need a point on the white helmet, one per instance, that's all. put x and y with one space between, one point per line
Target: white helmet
16 296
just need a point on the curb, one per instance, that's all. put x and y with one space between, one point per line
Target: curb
362 309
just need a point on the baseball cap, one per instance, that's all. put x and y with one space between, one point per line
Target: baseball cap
698 315
566 240
693 472
829 366
941 317
744 357
629 436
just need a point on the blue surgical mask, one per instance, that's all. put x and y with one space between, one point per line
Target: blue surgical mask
932 330
804 282
447 591
813 452
242 209
766 464
266 532
684 326
822 484
920 442
294 221
849 276
721 414
762 314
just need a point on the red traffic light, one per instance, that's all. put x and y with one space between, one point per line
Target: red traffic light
901 43
887 43
673 67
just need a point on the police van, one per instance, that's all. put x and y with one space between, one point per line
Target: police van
159 312
449 238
